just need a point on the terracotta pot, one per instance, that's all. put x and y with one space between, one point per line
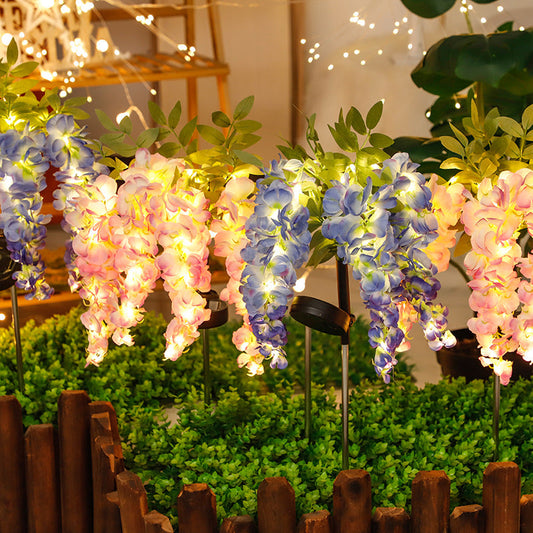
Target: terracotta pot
463 360
7 265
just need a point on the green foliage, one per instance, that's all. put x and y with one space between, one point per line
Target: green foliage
229 140
54 360
489 145
395 431
434 8
19 106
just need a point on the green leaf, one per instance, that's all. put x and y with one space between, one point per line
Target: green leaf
528 152
22 86
110 139
211 135
147 138
356 121
374 115
378 140
220 119
125 124
156 113
527 118
323 252
341 140
248 158
247 126
187 132
243 108
461 137
24 69
174 115
106 122
169 149
510 126
452 144
428 8
245 141
12 52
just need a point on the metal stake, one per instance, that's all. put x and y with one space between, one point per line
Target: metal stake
18 344
207 371
307 424
496 418
345 412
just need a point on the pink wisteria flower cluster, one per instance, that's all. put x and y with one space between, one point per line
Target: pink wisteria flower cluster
502 280
126 238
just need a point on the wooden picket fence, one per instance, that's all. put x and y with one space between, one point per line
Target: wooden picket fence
72 480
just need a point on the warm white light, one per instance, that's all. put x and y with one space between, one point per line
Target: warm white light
89 99
397 23
102 45
363 62
311 50
410 46
3 316
395 31
404 20
410 31
121 116
303 41
46 4
483 20
499 9
428 114
316 56
153 92
380 52
371 25
521 28
317 45
63 93
310 60
457 105
330 67
6 38
346 54
116 52
357 52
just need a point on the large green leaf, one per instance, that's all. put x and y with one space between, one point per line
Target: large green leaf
488 58
456 62
428 8
436 71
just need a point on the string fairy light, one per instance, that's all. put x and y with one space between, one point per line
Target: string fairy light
403 25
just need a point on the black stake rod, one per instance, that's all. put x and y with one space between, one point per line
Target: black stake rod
18 344
307 420
343 293
496 418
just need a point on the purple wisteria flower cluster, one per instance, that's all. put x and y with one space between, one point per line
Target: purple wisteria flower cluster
278 244
25 156
381 230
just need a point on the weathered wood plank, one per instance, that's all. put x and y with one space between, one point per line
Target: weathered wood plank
468 519
352 502
501 497
132 502
276 506
526 513
12 478
42 480
238 524
317 522
390 520
75 462
106 466
430 503
197 509
155 522
99 407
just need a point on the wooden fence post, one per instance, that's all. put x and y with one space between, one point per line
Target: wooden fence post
526 513
352 502
238 524
430 503
197 509
99 407
75 462
276 506
106 466
317 522
42 483
155 522
132 501
390 520
468 519
12 479
501 497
